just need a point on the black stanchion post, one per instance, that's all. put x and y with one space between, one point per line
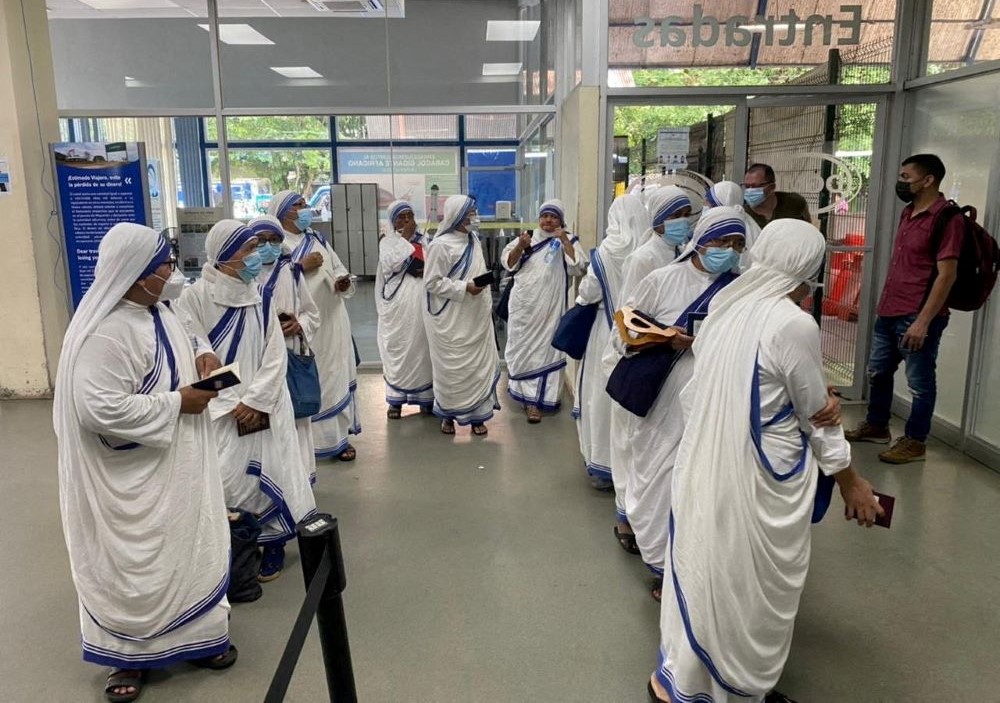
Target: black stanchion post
319 539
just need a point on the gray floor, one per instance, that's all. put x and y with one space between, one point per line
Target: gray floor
485 570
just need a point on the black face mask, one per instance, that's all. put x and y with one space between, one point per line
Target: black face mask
904 193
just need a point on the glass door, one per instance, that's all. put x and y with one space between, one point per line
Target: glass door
824 153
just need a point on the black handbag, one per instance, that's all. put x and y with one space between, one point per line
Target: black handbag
573 332
637 380
302 377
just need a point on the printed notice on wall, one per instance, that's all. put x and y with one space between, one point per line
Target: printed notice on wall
4 177
100 184
194 224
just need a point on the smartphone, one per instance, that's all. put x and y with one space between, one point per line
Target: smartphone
485 280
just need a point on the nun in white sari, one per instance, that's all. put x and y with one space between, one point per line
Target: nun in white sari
543 262
262 470
669 211
330 284
399 299
140 492
745 480
283 287
459 319
627 221
730 194
677 295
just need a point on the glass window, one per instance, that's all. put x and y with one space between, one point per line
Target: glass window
960 122
963 33
131 56
257 174
271 129
385 128
492 176
407 173
671 43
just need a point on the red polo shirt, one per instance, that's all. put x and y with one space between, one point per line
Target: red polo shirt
913 262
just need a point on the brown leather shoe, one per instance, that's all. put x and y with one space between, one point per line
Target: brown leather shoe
904 451
868 433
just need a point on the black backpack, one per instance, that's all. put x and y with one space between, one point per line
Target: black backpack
978 262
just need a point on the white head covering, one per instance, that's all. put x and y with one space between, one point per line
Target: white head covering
715 223
125 255
554 207
456 207
724 193
224 239
281 202
266 223
397 208
661 203
628 219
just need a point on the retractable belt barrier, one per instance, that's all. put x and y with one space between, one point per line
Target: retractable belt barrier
323 571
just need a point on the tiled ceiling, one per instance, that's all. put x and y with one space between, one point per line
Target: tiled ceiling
149 9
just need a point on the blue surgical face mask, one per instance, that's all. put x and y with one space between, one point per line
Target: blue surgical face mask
304 219
754 196
251 267
719 260
676 232
269 252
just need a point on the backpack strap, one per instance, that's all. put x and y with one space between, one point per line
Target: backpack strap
941 222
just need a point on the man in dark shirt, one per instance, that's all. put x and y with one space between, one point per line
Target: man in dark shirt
765 203
912 313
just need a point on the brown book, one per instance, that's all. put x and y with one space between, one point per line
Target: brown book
639 330
242 430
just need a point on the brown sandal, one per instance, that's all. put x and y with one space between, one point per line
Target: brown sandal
447 427
349 454
480 430
395 412
534 414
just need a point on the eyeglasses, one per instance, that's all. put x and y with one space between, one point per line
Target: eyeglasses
172 263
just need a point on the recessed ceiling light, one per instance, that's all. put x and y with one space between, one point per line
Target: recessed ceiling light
239 34
511 30
501 69
130 4
296 72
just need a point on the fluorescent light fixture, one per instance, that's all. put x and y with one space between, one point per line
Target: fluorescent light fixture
318 6
130 4
535 154
129 78
501 69
296 72
511 30
758 28
239 34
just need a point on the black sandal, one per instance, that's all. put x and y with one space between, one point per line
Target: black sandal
627 541
124 678
219 661
657 590
447 427
349 454
395 412
480 430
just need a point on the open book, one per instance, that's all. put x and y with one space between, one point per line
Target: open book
225 377
638 330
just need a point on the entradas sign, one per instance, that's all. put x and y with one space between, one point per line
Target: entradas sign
739 30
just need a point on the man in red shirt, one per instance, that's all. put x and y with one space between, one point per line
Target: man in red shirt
912 312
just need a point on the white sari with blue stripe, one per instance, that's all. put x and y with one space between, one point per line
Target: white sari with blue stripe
149 536
262 472
460 330
332 344
537 302
402 337
739 539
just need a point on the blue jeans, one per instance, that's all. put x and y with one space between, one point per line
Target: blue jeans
921 373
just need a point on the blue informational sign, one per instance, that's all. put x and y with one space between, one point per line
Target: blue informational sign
491 186
99 186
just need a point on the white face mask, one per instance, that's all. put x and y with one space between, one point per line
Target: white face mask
173 286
